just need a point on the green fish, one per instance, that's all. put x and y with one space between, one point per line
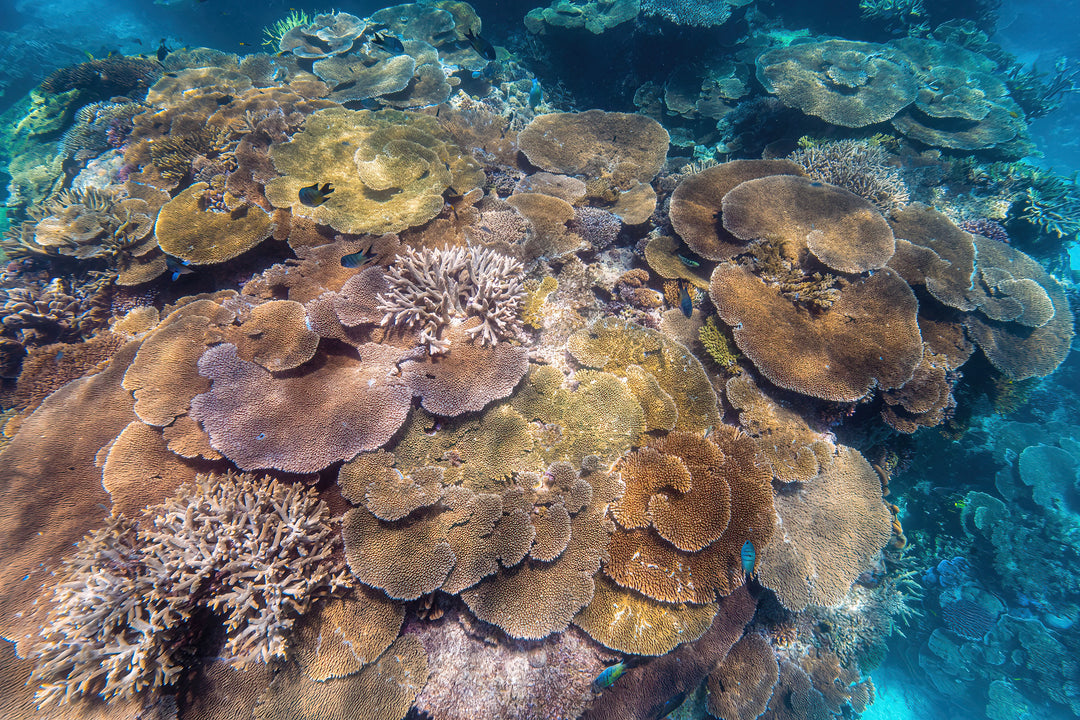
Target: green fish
314 196
687 261
611 673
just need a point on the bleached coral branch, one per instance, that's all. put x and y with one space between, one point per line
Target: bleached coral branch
431 288
254 551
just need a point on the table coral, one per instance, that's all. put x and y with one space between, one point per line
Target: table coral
831 528
367 155
326 35
596 16
251 415
696 204
186 229
846 83
868 337
741 686
687 545
614 148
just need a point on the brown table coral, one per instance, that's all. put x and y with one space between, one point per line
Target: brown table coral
690 505
847 83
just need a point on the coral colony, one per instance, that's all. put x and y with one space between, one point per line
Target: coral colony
385 375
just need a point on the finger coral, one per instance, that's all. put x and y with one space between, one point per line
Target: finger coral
430 289
257 552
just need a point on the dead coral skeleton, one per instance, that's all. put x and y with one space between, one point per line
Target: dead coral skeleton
433 288
254 551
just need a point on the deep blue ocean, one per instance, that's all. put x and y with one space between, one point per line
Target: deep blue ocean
630 359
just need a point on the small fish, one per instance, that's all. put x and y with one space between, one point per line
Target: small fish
357 259
688 262
177 266
749 557
611 673
669 705
162 51
389 42
536 94
314 196
485 49
686 303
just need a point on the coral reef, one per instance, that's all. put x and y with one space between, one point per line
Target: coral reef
123 610
431 289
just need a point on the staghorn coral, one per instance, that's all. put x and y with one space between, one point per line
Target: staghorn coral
121 614
856 165
431 289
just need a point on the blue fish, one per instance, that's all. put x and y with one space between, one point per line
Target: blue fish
536 94
686 303
177 266
611 673
749 556
356 259
314 196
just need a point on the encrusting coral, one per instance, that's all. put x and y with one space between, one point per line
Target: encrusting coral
255 551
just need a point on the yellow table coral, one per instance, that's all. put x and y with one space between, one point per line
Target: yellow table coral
389 169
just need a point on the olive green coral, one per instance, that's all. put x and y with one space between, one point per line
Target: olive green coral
719 346
389 169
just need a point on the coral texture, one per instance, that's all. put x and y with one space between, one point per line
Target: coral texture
254 551
430 289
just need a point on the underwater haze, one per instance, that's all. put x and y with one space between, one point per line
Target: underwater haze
601 359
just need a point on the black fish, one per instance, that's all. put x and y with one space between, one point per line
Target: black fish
357 259
480 45
314 196
671 704
177 266
162 51
686 303
388 42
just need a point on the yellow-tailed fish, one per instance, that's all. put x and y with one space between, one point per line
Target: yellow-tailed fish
611 673
314 196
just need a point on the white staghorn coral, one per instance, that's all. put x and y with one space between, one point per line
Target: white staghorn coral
255 551
436 287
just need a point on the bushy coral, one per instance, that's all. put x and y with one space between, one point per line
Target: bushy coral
856 165
255 551
431 289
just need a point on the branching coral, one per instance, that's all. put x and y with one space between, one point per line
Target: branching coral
858 166
431 289
257 552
